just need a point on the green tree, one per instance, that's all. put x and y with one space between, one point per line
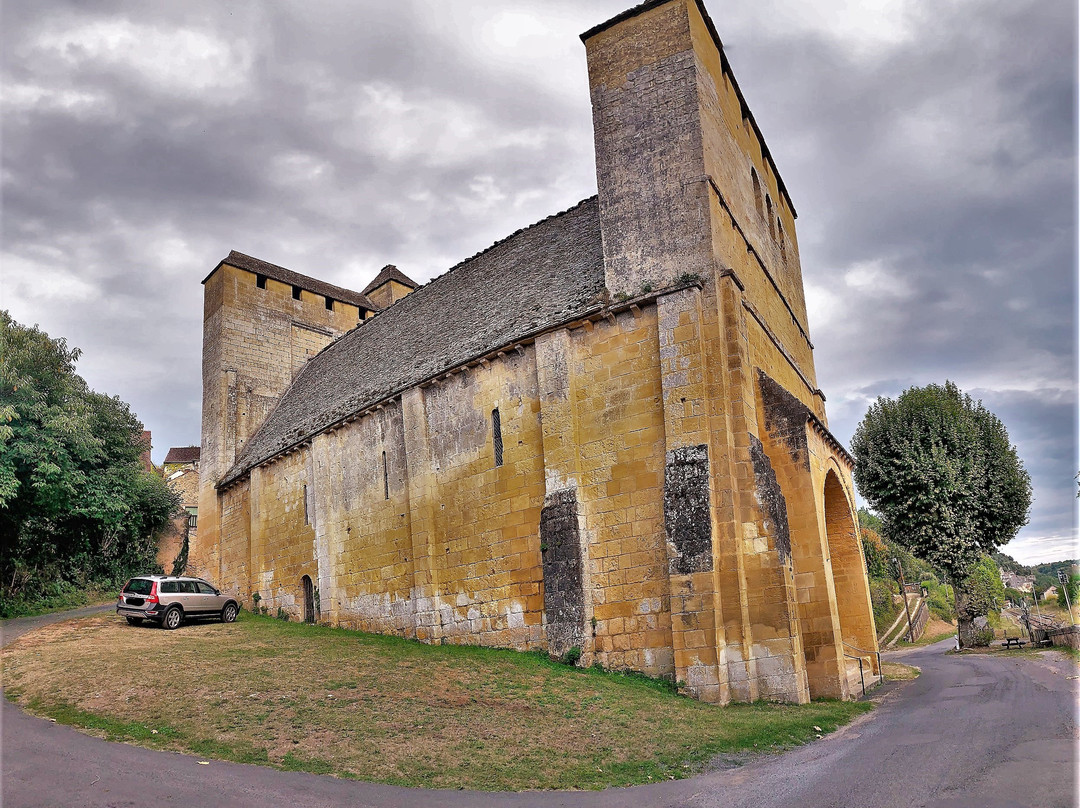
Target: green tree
75 503
939 470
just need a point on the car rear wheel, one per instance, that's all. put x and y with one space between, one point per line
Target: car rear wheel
134 621
228 614
172 619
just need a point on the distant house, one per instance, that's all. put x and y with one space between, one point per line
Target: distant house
180 457
1050 593
1024 583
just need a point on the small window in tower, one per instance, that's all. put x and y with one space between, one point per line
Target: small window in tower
385 478
769 215
783 241
757 192
329 304
496 436
260 281
307 518
296 293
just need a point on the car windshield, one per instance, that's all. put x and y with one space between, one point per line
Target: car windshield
139 586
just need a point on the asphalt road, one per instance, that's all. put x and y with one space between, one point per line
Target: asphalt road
987 731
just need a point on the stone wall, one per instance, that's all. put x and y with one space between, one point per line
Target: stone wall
669 498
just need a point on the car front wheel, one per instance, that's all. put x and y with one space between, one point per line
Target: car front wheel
172 619
228 614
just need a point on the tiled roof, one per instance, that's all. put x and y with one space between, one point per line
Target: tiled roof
546 274
183 454
390 273
241 261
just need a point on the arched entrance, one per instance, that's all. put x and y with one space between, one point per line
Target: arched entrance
309 599
848 571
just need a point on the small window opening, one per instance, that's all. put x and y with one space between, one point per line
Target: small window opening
329 304
307 518
260 281
783 241
296 293
385 478
770 215
757 192
496 435
193 520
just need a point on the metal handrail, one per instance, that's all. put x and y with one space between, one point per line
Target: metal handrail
862 681
864 651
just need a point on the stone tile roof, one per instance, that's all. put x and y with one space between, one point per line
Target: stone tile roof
183 454
543 275
241 261
390 273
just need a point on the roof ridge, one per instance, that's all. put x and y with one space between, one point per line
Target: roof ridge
520 230
472 257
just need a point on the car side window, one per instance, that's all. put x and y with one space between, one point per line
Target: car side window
204 588
188 587
168 587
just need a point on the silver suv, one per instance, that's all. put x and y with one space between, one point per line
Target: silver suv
169 600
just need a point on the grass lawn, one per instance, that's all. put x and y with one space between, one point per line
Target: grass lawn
384 709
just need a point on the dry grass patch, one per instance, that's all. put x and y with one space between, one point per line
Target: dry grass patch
384 709
899 671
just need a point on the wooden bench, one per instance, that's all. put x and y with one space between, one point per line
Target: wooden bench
1017 641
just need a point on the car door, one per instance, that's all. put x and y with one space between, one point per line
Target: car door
210 601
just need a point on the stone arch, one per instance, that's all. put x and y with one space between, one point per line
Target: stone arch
308 595
848 568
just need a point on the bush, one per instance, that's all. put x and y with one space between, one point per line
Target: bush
982 637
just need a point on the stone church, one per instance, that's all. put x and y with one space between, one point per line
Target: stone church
602 435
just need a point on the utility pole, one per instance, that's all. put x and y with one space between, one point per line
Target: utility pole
898 568
1063 576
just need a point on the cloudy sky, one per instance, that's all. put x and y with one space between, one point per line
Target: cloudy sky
929 147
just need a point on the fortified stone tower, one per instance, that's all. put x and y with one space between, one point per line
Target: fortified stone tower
758 498
261 323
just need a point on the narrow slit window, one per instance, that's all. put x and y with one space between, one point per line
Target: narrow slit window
385 478
260 281
330 304
757 192
307 516
782 239
496 436
769 216
296 293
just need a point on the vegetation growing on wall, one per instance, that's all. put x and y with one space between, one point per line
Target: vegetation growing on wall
76 507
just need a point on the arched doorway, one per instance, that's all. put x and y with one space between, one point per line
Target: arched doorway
848 571
309 599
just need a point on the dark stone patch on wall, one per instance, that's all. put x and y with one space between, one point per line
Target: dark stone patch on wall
686 509
564 591
771 499
785 418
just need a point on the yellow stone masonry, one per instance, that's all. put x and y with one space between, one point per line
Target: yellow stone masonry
651 488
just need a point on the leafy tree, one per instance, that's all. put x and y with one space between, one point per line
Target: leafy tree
981 592
75 503
939 469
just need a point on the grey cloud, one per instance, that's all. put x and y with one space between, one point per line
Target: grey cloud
946 159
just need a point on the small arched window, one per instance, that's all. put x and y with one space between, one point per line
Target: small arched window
757 192
385 478
496 436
